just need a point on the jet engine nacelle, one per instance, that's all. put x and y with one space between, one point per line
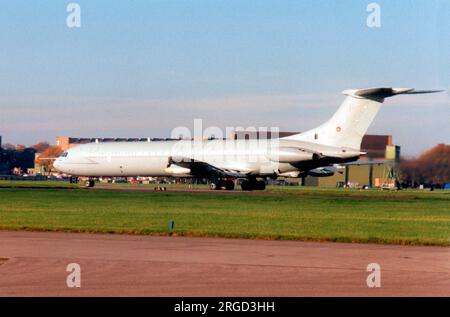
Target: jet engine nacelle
290 174
176 170
289 155
321 172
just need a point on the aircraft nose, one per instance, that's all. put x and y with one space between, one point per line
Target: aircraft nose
57 165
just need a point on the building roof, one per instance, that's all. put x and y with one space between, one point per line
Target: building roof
375 145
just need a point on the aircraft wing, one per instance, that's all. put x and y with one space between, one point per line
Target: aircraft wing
202 169
366 163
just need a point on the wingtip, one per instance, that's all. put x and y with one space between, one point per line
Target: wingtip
426 91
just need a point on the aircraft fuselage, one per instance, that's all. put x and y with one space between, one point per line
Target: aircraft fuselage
257 158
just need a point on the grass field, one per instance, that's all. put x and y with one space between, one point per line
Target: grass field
344 215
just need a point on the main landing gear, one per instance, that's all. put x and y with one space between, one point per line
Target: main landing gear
253 184
222 184
248 185
90 183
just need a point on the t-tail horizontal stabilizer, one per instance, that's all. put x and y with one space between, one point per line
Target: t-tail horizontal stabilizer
385 92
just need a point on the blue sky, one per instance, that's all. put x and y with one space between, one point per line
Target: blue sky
141 68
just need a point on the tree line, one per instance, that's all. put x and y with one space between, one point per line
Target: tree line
23 158
431 168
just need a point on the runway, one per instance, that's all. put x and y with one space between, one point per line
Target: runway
34 264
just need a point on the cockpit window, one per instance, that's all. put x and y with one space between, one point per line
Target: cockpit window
64 154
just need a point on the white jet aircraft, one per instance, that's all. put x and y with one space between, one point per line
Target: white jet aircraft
313 152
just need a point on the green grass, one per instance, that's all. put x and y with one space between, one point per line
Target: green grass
37 184
406 217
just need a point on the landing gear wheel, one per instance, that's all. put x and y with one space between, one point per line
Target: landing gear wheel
253 185
229 185
220 185
260 185
90 183
213 186
245 185
73 180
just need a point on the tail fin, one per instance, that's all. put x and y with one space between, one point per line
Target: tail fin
348 125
